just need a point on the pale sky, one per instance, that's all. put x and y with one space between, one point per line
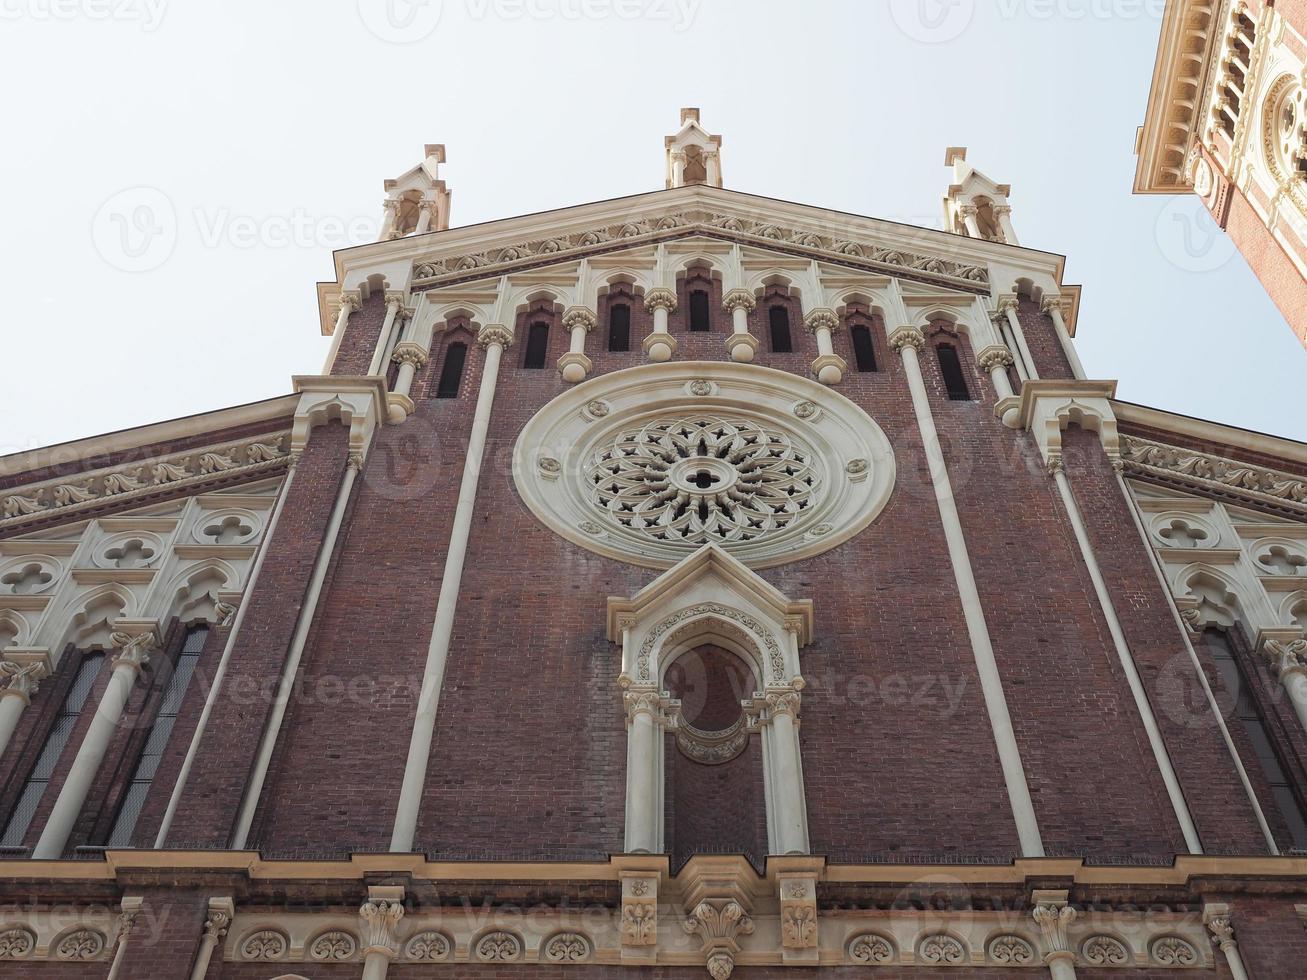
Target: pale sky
256 134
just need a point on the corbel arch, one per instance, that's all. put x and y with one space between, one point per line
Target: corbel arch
1293 609
194 591
89 628
1216 596
14 629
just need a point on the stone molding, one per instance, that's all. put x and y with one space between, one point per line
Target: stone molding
192 470
359 403
874 256
1227 478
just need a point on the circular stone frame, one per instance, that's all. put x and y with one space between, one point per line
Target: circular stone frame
851 454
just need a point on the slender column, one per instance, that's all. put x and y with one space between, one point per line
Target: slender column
1289 660
1217 919
644 727
425 208
660 345
411 358
21 682
394 303
126 664
999 322
908 341
349 302
829 367
678 168
1004 214
220 674
787 794
714 167
741 344
286 684
1054 917
131 908
390 215
574 365
494 338
995 360
1053 307
1008 306
221 911
1145 709
379 917
970 218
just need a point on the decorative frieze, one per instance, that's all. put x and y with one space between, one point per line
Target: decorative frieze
1231 479
863 254
67 496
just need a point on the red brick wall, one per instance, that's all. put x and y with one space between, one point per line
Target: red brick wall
1284 283
359 345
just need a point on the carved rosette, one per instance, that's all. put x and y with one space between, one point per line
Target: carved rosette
798 896
1011 950
17 943
639 910
567 947
871 949
906 337
1104 951
941 950
1173 951
498 947
83 944
333 946
429 947
265 945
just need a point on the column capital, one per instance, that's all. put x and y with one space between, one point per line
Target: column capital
739 299
820 319
21 680
390 204
580 316
1059 304
495 333
658 705
994 356
221 912
1054 917
968 210
397 298
907 337
133 648
1008 303
408 352
1217 919
349 298
1286 656
379 917
660 299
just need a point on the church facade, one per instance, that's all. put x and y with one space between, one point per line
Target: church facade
686 582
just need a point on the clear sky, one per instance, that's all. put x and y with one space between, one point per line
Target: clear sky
177 174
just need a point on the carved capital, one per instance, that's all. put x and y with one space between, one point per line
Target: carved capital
798 897
1055 304
1008 304
821 319
579 316
660 299
133 649
355 462
350 300
216 925
639 910
906 337
739 299
994 356
1055 464
968 210
1002 209
1287 656
395 298
1054 917
223 612
494 333
379 919
719 924
657 705
1222 932
20 680
408 352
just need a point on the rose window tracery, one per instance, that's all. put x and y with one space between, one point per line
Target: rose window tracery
704 478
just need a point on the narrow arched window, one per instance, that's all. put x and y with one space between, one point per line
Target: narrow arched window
700 317
55 743
1250 718
537 344
619 328
950 368
451 372
160 733
779 319
864 354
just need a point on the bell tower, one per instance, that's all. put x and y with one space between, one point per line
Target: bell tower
975 206
693 154
417 201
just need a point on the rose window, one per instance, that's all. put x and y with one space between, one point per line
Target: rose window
701 479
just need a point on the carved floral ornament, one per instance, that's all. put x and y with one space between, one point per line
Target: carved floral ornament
648 465
1230 478
72 494
845 251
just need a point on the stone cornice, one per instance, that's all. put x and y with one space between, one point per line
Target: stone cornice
882 256
69 496
1206 431
1229 479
